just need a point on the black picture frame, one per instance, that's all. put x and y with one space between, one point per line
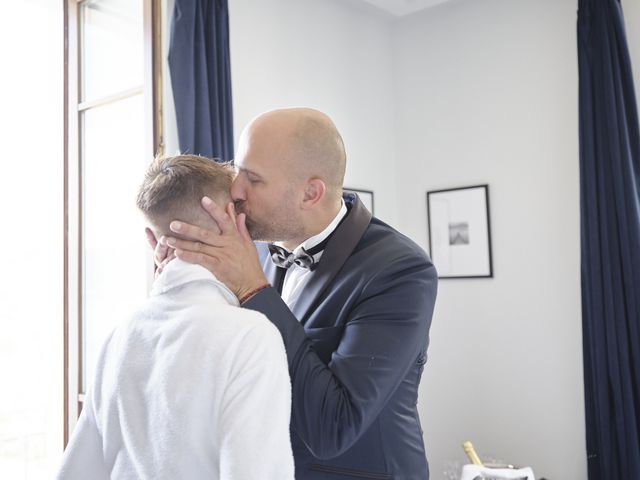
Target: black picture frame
366 197
459 226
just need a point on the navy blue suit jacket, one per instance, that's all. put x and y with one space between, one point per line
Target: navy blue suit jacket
356 344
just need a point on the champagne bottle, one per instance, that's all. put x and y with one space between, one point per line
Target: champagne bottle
471 453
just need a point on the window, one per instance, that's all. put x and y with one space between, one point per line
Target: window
111 137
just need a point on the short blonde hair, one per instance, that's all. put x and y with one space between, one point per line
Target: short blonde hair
174 186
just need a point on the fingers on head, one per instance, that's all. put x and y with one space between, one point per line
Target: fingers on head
190 256
203 233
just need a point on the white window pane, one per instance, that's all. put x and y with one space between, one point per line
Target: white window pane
116 257
111 47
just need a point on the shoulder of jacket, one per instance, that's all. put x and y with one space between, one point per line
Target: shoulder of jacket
382 239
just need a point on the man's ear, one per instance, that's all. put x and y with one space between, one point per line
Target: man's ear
151 238
314 191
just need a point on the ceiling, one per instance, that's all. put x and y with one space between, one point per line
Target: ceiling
400 8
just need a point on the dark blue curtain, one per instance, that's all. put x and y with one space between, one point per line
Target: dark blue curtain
610 233
201 77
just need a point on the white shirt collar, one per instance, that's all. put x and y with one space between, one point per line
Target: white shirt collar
311 242
178 272
296 276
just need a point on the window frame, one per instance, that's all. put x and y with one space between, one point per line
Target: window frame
151 90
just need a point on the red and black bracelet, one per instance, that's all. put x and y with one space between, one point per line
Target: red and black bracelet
253 292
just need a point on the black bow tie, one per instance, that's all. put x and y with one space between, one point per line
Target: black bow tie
283 258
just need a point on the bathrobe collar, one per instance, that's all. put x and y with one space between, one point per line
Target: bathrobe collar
178 272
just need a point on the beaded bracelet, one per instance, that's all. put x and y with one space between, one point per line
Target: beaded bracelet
253 292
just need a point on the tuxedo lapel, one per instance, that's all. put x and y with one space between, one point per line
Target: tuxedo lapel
343 241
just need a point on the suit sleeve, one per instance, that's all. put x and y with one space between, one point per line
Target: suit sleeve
83 456
334 404
256 409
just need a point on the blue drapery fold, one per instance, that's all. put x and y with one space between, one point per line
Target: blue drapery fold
200 70
610 238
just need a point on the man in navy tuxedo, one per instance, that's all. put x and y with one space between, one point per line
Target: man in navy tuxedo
351 297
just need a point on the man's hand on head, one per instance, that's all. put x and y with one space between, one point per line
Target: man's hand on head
162 253
231 255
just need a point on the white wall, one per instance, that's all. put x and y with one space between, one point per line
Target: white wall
631 10
329 55
487 93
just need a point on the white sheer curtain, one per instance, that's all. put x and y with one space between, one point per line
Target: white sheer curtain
31 232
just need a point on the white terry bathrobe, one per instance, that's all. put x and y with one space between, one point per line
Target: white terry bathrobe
191 387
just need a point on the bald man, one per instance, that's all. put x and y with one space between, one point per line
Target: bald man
351 297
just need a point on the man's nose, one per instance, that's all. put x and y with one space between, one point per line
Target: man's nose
237 192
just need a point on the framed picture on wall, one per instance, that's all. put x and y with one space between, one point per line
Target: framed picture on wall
459 232
366 197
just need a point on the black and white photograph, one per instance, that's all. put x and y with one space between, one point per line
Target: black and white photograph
459 234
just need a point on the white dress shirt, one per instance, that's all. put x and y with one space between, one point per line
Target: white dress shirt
191 387
296 275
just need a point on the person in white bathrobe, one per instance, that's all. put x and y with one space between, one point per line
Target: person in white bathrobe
191 386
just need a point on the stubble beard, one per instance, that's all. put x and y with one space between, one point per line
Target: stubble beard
274 230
